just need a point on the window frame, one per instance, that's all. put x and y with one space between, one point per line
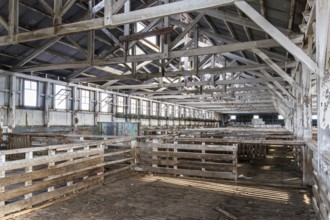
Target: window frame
134 106
36 93
83 98
120 104
56 99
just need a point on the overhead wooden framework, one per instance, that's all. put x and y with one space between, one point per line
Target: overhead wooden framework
216 50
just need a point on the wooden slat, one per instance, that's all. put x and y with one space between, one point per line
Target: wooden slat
222 175
17 206
189 155
68 146
117 153
190 146
117 170
47 159
193 164
58 169
228 141
118 161
44 184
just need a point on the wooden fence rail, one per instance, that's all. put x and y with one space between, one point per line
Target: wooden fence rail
48 173
212 161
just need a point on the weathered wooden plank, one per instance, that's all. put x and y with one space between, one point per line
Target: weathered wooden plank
189 155
190 146
44 184
47 159
118 161
68 146
117 153
57 169
17 206
228 141
117 170
193 164
222 175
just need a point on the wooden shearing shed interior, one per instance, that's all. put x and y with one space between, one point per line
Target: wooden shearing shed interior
165 109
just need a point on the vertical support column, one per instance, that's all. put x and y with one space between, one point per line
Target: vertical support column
2 188
12 103
128 107
299 109
57 17
307 119
28 156
149 112
96 107
196 36
51 152
108 5
13 19
47 102
114 107
74 107
323 61
91 34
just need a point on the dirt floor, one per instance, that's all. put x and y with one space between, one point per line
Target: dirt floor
269 189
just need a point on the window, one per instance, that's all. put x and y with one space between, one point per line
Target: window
85 98
255 116
182 112
133 106
233 117
280 117
144 107
30 93
188 112
170 111
61 94
154 108
176 111
120 104
105 101
163 110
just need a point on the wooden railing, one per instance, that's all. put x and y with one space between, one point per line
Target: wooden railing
321 177
52 172
212 161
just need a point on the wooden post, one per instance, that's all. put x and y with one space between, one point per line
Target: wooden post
2 189
74 106
203 152
87 149
51 153
69 151
12 103
155 141
96 107
101 173
46 108
175 159
134 154
28 155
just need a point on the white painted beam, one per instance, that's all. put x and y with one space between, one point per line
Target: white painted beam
277 35
165 10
